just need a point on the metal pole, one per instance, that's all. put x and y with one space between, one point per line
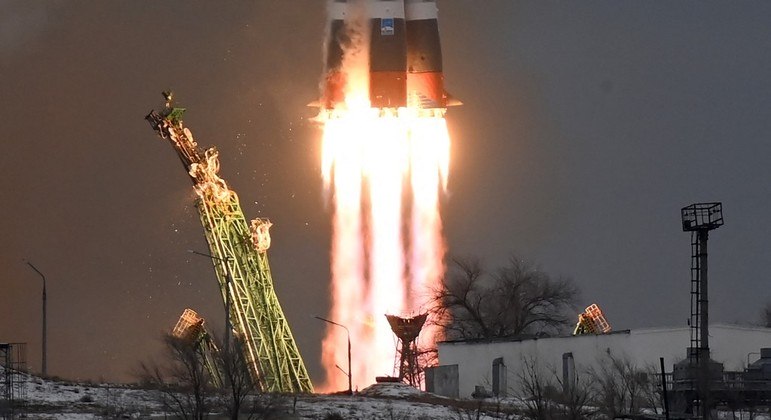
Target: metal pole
350 381
228 304
228 285
350 384
704 304
664 388
704 324
45 322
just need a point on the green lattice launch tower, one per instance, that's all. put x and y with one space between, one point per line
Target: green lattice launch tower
240 258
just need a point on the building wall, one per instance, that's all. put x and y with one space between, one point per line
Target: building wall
442 380
729 344
734 343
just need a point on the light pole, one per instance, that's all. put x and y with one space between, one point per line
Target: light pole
228 285
350 385
45 323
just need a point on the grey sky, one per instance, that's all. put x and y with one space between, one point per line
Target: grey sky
586 126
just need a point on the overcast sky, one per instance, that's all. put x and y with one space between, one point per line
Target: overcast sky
586 127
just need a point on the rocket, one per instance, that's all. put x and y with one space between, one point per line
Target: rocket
403 47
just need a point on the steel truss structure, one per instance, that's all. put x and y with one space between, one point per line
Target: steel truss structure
13 390
701 371
407 331
190 328
240 261
592 321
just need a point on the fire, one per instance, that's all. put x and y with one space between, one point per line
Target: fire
385 170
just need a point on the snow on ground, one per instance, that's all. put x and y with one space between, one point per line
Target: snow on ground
61 400
391 389
358 407
66 400
389 401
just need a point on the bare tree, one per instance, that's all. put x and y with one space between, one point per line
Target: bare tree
239 396
534 387
516 299
544 394
575 398
237 382
766 315
183 380
623 388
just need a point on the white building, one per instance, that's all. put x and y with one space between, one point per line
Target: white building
731 345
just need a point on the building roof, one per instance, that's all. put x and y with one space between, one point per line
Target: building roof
647 330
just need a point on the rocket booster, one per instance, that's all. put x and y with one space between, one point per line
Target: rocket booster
387 54
404 51
425 77
338 38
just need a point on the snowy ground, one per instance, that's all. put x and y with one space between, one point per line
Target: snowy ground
47 399
59 400
391 401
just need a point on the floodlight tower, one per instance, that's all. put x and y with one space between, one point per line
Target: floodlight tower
191 329
699 219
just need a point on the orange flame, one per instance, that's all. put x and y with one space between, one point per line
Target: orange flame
374 161
385 257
